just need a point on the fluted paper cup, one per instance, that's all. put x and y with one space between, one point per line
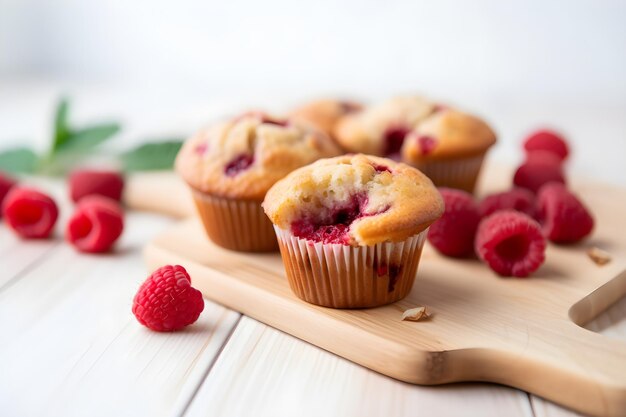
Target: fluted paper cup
461 173
239 225
341 276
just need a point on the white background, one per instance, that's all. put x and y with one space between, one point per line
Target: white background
164 66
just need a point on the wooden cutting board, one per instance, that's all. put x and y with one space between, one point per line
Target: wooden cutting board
525 333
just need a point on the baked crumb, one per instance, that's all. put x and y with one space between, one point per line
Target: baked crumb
599 256
415 314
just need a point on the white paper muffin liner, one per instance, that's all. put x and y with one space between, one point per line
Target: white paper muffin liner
459 173
341 276
239 225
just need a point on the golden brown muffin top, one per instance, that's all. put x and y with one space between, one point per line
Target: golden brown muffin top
354 200
447 134
243 157
325 113
379 129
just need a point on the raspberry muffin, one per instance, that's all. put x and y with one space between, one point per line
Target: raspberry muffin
449 147
380 129
351 229
231 165
325 113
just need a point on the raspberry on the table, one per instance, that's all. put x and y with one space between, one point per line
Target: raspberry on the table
547 140
29 212
6 183
453 234
535 172
564 218
96 224
166 301
518 199
88 182
510 243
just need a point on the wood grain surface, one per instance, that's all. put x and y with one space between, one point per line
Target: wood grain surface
484 328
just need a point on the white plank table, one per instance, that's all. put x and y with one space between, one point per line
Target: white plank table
71 347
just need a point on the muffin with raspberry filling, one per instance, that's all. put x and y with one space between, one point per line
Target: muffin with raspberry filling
325 113
449 147
381 129
231 165
351 229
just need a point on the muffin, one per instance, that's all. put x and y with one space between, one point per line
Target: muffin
380 129
351 229
231 165
449 147
325 113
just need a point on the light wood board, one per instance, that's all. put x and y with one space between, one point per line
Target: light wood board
519 332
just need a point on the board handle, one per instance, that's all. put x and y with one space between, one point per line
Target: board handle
160 192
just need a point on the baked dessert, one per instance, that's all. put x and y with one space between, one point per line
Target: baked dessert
231 165
449 147
325 113
351 229
381 129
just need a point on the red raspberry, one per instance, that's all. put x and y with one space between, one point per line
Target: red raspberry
166 301
453 234
547 140
88 182
518 199
537 171
95 225
563 217
511 243
29 212
6 183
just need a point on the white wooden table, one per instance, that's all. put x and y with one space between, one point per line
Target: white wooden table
70 345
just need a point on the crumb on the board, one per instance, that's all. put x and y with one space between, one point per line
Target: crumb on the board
415 314
599 256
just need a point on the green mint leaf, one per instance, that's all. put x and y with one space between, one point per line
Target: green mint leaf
152 156
61 130
83 140
18 160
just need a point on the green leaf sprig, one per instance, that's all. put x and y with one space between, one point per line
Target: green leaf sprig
70 145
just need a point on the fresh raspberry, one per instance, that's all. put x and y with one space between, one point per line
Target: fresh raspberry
166 301
6 183
518 199
453 234
537 171
88 182
564 218
547 140
30 213
544 157
95 225
511 243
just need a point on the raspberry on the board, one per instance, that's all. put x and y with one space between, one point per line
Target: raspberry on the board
518 199
510 243
453 234
547 140
563 217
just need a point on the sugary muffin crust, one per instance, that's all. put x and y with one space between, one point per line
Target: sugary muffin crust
243 157
447 134
325 113
354 200
381 129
